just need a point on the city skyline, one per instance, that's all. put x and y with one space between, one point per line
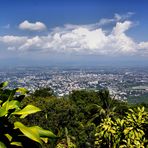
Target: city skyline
35 32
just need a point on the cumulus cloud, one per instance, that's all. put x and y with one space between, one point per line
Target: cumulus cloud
102 22
121 27
37 26
143 45
81 39
10 39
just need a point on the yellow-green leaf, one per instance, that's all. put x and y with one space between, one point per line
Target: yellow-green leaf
142 109
29 132
45 140
8 136
2 145
4 84
3 112
126 131
29 109
22 90
14 104
16 143
131 110
44 133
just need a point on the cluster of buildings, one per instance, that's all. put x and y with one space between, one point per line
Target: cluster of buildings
121 82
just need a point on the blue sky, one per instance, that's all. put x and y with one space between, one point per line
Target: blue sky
73 31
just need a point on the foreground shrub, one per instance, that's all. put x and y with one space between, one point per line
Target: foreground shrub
127 132
15 133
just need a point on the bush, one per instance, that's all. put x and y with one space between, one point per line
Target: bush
15 133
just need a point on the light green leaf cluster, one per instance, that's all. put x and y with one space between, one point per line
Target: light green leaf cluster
11 107
127 132
35 132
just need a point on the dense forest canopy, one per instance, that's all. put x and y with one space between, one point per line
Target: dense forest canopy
84 119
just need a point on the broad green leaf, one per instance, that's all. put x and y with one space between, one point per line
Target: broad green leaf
2 145
22 91
14 104
29 132
29 109
3 112
5 105
16 143
44 133
4 84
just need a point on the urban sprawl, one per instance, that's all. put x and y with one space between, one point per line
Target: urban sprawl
122 83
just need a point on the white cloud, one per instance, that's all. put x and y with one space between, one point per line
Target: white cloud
31 43
12 43
10 39
104 21
37 26
81 39
122 17
77 40
121 27
119 40
85 40
117 18
143 45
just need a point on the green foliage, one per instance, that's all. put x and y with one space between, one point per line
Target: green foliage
84 97
136 121
67 141
81 113
128 132
2 145
43 92
10 107
35 132
83 119
29 109
104 108
56 113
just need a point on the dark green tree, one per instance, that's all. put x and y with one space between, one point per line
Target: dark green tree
43 92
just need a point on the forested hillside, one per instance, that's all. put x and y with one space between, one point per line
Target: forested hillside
84 119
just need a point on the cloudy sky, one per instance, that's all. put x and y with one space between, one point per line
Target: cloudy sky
44 32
